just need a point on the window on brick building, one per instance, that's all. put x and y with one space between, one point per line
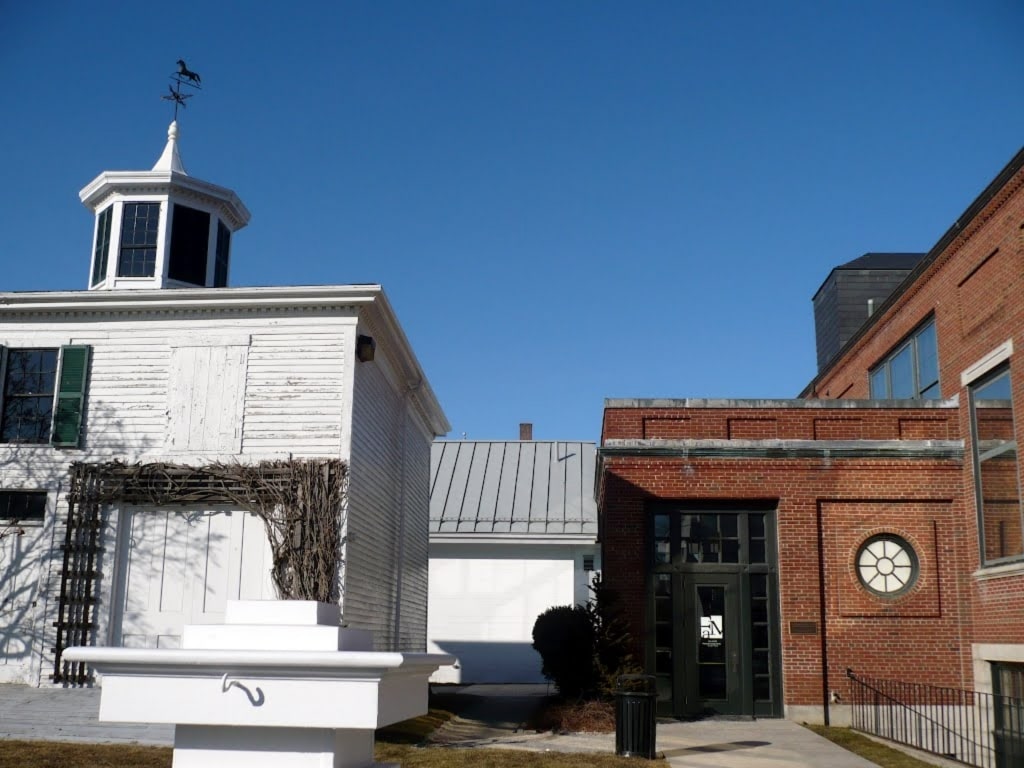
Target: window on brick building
887 565
911 370
1008 687
994 448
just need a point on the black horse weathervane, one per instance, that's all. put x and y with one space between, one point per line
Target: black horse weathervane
184 76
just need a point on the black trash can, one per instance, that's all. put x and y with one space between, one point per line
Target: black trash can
635 699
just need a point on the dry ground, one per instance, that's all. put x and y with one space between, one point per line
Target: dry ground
880 754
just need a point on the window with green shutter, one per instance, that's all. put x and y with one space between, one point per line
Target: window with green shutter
29 378
70 401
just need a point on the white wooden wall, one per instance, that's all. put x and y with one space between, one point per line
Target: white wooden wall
388 517
180 387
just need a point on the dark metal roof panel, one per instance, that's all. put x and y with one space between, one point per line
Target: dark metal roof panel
884 261
520 488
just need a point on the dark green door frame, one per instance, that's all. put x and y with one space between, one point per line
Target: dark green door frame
735 668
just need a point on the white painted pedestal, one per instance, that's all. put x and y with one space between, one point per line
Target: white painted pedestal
279 685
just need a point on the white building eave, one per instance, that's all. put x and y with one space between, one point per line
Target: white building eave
298 296
369 298
513 538
107 183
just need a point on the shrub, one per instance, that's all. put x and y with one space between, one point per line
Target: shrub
584 649
564 637
612 641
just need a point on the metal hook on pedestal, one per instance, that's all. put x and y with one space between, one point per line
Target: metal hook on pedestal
256 701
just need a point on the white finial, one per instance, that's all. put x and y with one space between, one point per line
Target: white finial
170 160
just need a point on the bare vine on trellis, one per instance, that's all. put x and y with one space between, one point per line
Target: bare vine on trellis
11 528
301 502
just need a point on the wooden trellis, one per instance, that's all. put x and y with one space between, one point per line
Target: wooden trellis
301 503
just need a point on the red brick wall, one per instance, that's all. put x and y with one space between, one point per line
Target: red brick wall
852 498
737 423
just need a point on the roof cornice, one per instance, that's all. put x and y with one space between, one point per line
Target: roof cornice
203 299
761 404
786 449
108 183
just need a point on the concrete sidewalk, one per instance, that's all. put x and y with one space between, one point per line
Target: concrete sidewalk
706 744
55 714
493 716
487 716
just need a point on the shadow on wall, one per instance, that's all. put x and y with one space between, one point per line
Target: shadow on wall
488 662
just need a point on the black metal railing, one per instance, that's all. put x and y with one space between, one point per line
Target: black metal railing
979 729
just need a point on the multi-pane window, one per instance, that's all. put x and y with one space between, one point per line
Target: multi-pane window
995 468
911 371
22 505
42 395
28 387
140 223
710 537
99 257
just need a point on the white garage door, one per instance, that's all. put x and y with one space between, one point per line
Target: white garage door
483 611
182 567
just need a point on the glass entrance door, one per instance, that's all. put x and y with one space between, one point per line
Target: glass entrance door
714 633
711 644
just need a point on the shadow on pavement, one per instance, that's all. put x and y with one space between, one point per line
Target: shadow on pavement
485 711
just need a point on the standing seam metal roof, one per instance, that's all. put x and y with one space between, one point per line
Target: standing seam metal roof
534 487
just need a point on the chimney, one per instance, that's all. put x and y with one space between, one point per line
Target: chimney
525 431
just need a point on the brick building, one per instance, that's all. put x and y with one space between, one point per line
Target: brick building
761 548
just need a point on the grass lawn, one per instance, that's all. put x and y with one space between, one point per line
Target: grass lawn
394 743
52 754
57 754
880 754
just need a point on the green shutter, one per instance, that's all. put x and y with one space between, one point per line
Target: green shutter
67 414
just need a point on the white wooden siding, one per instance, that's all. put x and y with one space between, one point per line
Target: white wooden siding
416 551
373 508
126 399
388 514
294 393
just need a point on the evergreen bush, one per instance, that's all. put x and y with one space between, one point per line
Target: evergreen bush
584 648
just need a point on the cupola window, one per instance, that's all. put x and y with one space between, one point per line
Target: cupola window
190 241
99 256
220 272
140 224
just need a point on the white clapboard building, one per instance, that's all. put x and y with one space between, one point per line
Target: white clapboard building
513 532
160 361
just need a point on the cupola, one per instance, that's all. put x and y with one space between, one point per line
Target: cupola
161 228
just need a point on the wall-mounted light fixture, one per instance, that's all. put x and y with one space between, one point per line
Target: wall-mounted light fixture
365 348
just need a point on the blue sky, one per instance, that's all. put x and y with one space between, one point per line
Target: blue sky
565 201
